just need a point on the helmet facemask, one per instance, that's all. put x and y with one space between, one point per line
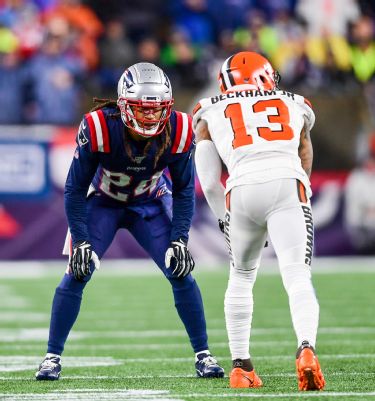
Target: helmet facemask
134 115
145 99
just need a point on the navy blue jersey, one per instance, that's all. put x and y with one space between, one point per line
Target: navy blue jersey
112 164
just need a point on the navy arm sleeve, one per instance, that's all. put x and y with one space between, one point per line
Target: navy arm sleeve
79 178
183 193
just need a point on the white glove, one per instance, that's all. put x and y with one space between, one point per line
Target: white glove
79 262
179 258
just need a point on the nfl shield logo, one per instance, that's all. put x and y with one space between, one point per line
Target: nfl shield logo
139 159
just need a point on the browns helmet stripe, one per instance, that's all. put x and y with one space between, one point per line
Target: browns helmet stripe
226 76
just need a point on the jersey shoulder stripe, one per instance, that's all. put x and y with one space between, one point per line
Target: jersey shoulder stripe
99 134
200 109
307 101
184 133
197 107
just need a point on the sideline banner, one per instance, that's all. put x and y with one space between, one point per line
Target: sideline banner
34 162
23 169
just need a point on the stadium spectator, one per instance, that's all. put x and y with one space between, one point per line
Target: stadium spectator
262 135
192 18
363 59
359 212
327 23
115 51
87 25
363 49
328 17
148 49
25 23
55 74
184 61
257 35
13 83
122 151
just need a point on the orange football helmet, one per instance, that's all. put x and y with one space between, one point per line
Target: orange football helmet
247 70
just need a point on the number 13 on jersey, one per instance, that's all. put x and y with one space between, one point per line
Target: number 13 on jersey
276 112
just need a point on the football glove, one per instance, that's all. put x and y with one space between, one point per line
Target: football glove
179 258
79 262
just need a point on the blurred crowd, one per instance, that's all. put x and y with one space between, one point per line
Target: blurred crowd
57 54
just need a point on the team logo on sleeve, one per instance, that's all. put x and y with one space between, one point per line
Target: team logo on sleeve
82 140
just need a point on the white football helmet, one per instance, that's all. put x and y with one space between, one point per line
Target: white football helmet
144 86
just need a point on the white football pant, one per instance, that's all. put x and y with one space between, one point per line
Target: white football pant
280 209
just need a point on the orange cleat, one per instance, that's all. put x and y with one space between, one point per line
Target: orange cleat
240 378
310 376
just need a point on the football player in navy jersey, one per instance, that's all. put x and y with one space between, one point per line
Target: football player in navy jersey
117 179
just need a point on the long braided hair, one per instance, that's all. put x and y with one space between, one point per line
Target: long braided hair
163 140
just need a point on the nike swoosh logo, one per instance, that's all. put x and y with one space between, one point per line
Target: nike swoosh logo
248 378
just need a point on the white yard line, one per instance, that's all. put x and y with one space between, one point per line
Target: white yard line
155 346
94 394
137 395
306 394
80 377
23 362
141 267
41 334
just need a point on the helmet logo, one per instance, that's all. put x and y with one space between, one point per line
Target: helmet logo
145 99
128 79
167 83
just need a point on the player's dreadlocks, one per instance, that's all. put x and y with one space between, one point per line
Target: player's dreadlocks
163 140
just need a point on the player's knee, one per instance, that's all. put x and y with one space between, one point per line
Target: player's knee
243 274
296 277
180 282
70 283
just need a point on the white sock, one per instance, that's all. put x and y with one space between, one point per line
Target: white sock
206 351
303 304
49 355
238 308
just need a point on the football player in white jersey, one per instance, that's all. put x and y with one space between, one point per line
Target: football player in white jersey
262 135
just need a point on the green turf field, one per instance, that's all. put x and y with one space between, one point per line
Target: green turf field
128 343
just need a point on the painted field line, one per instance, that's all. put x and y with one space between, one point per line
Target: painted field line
76 361
139 267
158 346
120 394
41 334
94 394
255 357
212 332
24 316
181 376
307 394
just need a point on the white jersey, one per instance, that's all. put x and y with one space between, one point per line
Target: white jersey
257 134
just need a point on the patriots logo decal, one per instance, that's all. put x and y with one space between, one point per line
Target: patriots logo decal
128 79
82 140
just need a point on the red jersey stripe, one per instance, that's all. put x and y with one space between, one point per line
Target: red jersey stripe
179 127
94 142
105 134
189 134
308 103
197 107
